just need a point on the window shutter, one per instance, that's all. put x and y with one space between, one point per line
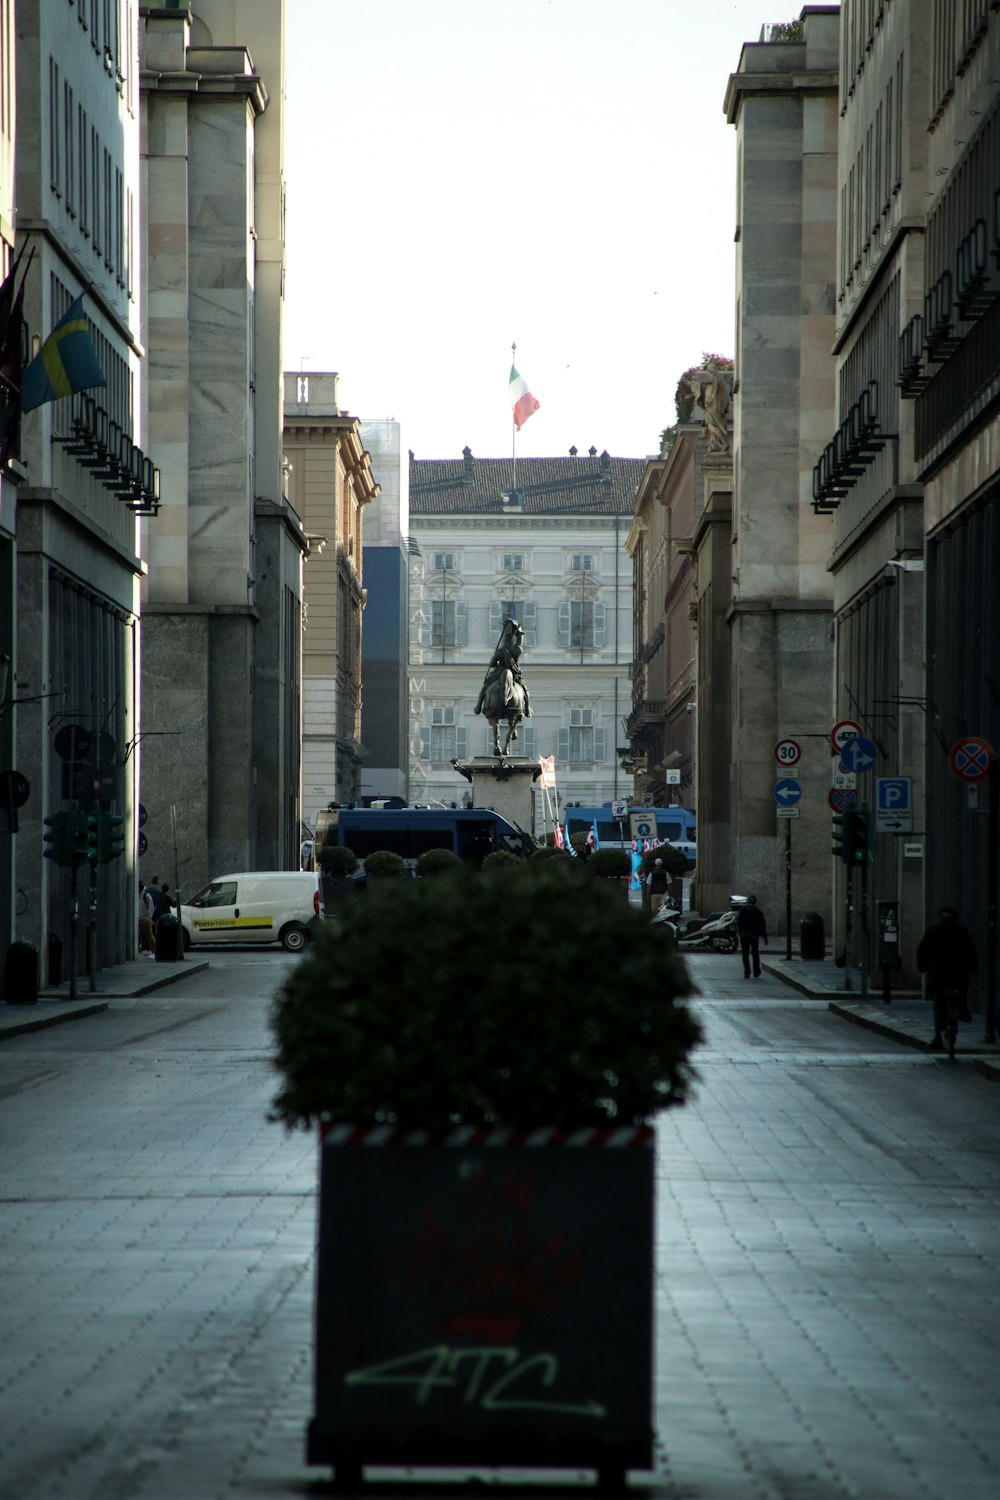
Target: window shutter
600 627
564 615
488 744
529 624
600 745
496 619
461 744
562 750
526 735
461 623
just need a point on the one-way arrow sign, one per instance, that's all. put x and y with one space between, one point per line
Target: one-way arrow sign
787 792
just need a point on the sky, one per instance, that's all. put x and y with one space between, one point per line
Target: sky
464 175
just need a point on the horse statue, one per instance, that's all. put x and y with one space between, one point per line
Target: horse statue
503 694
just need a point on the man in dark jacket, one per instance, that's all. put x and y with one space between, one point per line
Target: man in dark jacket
947 955
751 924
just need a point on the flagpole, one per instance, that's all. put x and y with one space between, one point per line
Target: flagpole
513 433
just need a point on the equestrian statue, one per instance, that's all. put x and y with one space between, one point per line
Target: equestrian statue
503 694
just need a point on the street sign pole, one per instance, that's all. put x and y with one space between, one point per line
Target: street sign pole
848 929
864 931
177 879
788 888
992 876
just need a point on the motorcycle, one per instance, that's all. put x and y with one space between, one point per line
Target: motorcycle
717 933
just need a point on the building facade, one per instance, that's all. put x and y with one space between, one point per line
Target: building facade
864 477
547 544
70 529
950 382
8 498
222 600
783 103
330 483
661 727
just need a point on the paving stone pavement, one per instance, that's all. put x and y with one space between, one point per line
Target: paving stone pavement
826 1290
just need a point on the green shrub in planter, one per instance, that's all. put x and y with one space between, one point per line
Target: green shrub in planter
500 861
674 861
336 860
610 864
546 1004
438 862
384 864
546 852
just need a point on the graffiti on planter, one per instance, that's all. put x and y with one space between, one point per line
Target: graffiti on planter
487 1272
473 1373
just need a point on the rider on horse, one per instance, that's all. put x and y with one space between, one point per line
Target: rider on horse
505 659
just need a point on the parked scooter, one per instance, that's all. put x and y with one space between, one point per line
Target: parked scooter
717 933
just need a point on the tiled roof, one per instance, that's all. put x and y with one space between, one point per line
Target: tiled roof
571 486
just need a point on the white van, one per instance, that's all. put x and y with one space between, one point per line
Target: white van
255 906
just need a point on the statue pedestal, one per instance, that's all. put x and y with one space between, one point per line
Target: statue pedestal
507 785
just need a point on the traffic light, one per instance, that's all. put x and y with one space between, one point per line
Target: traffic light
857 838
90 826
67 838
58 838
838 835
110 836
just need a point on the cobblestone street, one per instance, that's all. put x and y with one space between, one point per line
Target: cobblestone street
827 1302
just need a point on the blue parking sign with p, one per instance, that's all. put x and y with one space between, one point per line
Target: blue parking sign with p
893 794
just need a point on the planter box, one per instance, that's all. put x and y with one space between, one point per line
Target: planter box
486 1301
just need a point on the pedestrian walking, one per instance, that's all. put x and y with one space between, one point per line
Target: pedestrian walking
947 955
656 885
147 937
751 924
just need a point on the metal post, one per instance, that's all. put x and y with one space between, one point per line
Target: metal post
864 931
788 888
92 928
177 883
73 924
848 930
992 871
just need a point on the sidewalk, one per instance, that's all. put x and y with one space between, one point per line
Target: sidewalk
140 976
906 1018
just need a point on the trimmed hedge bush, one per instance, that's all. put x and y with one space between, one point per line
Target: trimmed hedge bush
384 864
336 860
438 862
500 860
610 864
549 1005
674 861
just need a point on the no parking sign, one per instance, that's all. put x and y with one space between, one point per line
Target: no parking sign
970 759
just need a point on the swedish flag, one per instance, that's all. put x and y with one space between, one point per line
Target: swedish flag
66 362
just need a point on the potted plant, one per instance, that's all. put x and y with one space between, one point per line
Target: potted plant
613 865
337 866
385 864
485 1269
437 862
499 861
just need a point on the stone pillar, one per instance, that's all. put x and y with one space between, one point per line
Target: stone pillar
507 786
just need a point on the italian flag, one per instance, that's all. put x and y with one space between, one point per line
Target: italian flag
522 402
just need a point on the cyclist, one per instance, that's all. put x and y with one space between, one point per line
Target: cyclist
947 955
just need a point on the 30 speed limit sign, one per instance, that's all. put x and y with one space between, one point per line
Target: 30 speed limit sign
788 752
